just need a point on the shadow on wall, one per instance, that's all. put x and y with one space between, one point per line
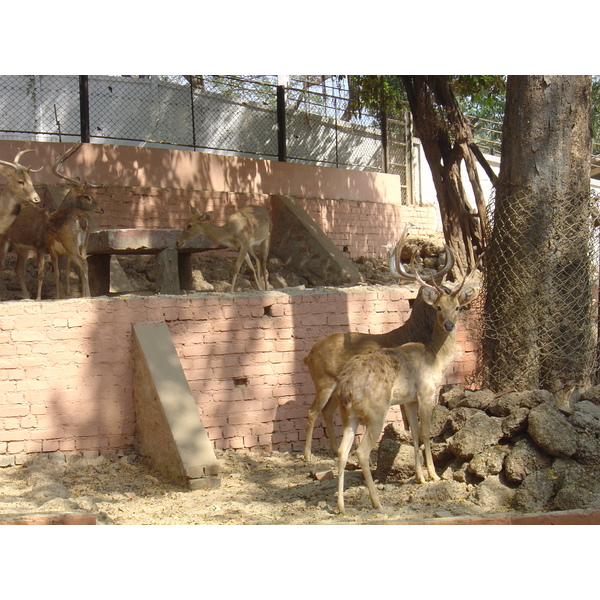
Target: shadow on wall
243 351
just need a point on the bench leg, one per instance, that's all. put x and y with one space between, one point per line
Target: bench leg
167 272
185 271
99 274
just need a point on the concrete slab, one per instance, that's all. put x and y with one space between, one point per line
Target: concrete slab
169 431
300 243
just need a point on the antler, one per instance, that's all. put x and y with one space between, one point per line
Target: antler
418 277
398 270
61 159
468 274
17 165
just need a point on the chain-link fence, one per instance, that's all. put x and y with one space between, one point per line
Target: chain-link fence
212 113
540 323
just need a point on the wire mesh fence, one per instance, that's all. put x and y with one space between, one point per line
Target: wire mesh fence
213 113
539 299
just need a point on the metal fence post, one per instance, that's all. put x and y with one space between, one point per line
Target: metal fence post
281 137
84 109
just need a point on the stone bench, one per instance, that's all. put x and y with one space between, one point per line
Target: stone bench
173 265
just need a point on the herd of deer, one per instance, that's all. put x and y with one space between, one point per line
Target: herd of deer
26 226
361 374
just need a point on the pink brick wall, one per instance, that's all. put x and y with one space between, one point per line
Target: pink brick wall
144 187
65 366
65 377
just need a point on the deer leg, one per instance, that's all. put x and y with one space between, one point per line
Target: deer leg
350 420
321 398
242 255
82 266
4 246
363 452
55 268
41 262
413 420
404 417
68 276
20 269
264 248
425 410
255 271
328 412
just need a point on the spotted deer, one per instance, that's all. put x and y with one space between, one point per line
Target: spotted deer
249 227
328 356
68 228
408 375
18 189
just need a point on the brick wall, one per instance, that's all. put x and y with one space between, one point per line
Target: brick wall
66 366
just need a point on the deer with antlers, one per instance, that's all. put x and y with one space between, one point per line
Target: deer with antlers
68 228
328 356
408 375
19 188
249 227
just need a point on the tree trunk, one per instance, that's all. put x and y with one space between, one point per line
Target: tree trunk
446 134
538 304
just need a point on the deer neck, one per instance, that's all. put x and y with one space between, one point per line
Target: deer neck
217 234
441 345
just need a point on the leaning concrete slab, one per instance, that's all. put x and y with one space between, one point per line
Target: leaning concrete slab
169 431
300 243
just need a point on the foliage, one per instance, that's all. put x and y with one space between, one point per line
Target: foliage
478 95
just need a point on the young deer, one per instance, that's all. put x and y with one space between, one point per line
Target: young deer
68 228
408 375
328 356
19 188
245 229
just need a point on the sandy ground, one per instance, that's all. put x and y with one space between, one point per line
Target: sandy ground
275 488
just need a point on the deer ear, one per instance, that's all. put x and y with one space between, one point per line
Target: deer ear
194 211
429 295
466 295
208 216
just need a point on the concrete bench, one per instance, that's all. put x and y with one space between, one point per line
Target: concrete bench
173 265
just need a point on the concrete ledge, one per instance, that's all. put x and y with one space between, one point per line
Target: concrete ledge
49 519
143 241
567 517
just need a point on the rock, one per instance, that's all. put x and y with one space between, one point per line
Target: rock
515 423
488 462
451 397
322 475
459 416
493 494
524 459
441 453
592 395
504 404
480 400
394 458
580 489
440 492
439 421
588 408
536 491
479 432
588 450
551 431
396 432
200 284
